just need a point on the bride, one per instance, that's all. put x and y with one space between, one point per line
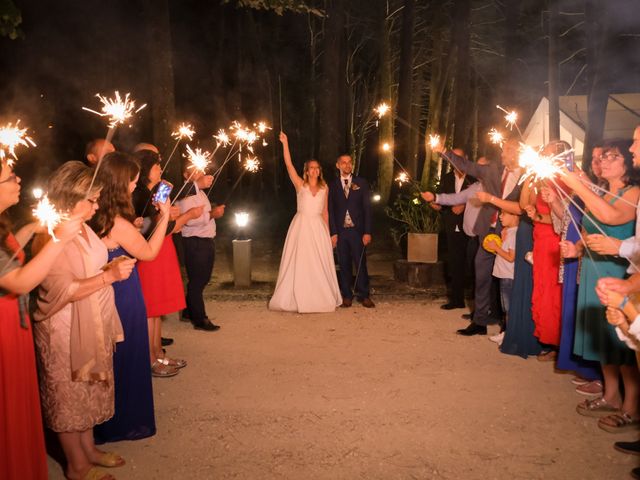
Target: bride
307 281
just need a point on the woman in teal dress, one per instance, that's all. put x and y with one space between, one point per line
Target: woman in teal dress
613 216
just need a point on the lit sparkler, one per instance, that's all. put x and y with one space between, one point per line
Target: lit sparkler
512 119
382 109
222 138
117 109
538 166
199 159
403 178
11 136
37 193
48 216
185 130
434 141
262 127
252 164
496 137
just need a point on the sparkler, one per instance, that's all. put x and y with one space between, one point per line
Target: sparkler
381 110
538 166
434 141
512 119
48 216
252 164
37 193
185 130
403 178
222 138
118 110
11 136
496 137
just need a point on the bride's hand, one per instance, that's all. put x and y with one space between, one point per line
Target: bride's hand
283 138
334 240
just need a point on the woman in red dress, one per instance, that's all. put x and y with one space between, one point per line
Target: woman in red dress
22 452
160 278
546 299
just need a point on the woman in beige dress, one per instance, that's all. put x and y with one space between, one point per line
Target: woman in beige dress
76 328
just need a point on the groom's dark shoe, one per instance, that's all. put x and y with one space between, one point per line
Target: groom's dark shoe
472 329
346 302
366 302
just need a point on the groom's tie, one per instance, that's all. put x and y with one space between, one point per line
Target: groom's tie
346 188
348 223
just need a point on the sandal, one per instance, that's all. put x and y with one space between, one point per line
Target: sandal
591 388
173 362
578 381
619 422
548 356
159 369
96 473
109 460
596 408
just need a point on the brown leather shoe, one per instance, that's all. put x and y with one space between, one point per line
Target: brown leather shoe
346 302
367 303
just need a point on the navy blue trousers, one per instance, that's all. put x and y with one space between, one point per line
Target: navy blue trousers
351 256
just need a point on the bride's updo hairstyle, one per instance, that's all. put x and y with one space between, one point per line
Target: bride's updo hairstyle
305 173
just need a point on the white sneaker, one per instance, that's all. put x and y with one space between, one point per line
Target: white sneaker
497 338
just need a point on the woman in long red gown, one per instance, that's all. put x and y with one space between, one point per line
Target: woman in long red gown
22 452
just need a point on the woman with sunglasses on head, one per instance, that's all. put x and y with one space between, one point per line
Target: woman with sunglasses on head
21 434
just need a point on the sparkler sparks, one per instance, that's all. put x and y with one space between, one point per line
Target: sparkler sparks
538 166
48 216
403 178
434 141
252 164
199 159
185 130
117 109
496 137
222 138
382 109
11 136
511 117
262 127
37 193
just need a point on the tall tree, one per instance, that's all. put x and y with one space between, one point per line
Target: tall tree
385 157
554 72
405 90
463 97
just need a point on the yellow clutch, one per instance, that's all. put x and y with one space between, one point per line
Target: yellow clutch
489 238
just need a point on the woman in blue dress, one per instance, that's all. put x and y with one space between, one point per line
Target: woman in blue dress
113 222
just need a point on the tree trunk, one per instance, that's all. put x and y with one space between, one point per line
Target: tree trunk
385 125
405 81
463 103
161 85
554 72
331 99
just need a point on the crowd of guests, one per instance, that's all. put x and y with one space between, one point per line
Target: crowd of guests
100 290
555 263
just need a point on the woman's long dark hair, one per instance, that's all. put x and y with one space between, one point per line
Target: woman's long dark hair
147 159
116 171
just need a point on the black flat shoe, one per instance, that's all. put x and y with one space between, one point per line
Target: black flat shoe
466 316
206 326
451 306
166 341
632 448
472 329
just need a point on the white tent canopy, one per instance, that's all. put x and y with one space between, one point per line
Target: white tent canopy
623 115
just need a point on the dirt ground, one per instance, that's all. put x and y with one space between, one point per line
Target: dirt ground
387 393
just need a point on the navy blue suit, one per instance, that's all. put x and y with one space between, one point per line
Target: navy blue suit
350 247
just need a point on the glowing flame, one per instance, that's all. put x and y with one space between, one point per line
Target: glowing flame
199 159
48 216
11 136
252 164
434 140
382 109
386 147
185 130
403 178
37 193
496 137
511 117
539 166
117 109
262 127
222 138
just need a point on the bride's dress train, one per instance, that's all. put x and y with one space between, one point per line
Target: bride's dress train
307 281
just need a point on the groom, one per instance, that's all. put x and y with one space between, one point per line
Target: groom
350 225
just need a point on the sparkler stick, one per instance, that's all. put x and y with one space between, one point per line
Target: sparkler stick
280 101
589 183
184 130
251 165
353 289
512 118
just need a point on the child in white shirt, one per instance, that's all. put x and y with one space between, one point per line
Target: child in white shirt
503 267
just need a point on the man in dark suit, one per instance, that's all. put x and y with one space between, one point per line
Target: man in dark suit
350 227
501 191
452 219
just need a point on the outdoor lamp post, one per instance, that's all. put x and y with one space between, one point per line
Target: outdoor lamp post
242 253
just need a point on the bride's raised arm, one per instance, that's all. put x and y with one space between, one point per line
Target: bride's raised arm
291 170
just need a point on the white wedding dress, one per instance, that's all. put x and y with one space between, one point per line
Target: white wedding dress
307 281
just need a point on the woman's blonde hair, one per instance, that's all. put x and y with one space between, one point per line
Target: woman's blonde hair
305 173
69 184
